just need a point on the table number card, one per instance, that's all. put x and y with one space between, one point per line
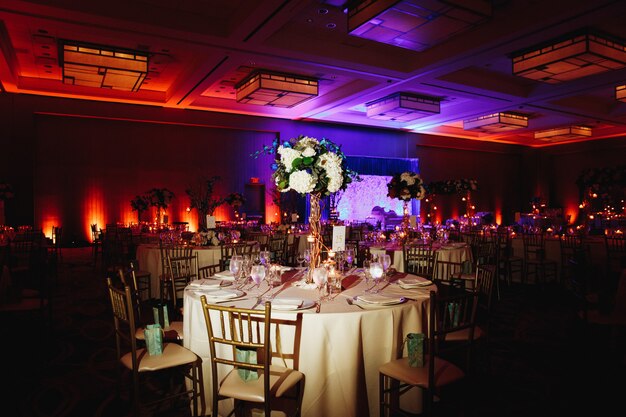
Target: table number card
413 221
210 222
339 238
294 218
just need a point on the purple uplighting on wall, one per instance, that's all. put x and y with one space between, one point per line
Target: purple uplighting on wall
358 200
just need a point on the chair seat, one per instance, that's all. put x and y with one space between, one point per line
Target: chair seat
399 369
281 380
173 355
464 334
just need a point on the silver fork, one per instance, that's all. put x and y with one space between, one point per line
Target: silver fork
349 301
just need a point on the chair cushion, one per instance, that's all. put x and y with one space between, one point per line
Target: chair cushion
175 331
399 369
281 380
464 334
173 355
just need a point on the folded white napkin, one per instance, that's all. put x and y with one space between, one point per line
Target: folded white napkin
225 275
379 299
224 294
414 282
286 303
206 283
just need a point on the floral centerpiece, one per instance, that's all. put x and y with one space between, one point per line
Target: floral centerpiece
406 186
159 198
140 204
202 198
310 166
236 200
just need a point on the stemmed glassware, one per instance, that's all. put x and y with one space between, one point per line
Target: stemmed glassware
385 260
265 257
234 265
257 272
300 259
307 257
320 278
349 256
376 271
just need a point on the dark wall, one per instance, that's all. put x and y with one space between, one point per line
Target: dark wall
71 160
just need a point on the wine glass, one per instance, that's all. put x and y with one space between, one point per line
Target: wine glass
307 257
257 272
265 257
385 260
320 278
349 255
234 265
301 259
376 270
366 271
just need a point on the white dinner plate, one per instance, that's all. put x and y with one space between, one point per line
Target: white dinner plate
380 300
408 283
292 304
220 294
209 283
224 275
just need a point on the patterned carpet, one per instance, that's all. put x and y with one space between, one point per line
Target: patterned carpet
542 360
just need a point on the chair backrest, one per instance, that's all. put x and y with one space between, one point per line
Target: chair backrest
534 246
363 252
183 270
615 252
446 269
451 310
228 250
208 271
230 329
419 260
123 320
485 275
276 246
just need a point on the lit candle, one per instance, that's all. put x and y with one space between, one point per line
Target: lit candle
310 239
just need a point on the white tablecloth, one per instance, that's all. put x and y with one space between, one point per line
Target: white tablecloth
341 348
149 259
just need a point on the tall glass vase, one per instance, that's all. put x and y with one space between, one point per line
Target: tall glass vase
315 228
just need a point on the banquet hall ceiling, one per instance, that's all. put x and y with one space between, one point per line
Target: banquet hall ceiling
199 50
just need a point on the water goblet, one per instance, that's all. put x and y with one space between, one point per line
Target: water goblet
376 270
320 278
234 265
349 257
300 259
265 257
385 260
257 272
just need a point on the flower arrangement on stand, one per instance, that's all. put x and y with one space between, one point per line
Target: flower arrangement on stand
406 186
236 200
140 204
310 167
161 199
201 198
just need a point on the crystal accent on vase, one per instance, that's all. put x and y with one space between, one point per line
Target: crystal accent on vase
315 229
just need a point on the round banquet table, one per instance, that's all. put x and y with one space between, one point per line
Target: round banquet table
149 259
454 251
341 348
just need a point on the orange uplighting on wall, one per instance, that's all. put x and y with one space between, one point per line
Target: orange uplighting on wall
93 211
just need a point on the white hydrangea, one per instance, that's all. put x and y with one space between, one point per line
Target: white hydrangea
302 182
308 152
287 156
331 163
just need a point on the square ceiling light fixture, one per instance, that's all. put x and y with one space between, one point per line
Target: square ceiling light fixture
620 92
496 122
402 107
100 66
569 58
563 133
267 88
414 24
